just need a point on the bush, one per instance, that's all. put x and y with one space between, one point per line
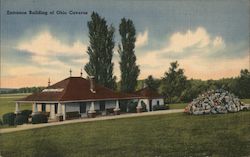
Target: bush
39 118
160 107
72 115
26 113
21 119
9 118
1 122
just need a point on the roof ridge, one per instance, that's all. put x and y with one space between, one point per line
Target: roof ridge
64 90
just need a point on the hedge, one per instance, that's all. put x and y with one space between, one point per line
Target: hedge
39 118
9 118
26 113
72 115
21 119
160 107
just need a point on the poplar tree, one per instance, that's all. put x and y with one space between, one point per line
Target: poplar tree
129 69
100 51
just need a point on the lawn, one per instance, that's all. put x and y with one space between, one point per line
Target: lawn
7 103
151 136
178 106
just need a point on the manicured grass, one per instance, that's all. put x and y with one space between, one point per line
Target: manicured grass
247 101
7 103
178 106
164 135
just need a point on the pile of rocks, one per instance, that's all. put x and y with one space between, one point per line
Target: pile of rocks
214 101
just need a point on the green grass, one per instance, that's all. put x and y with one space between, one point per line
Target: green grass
178 106
162 135
247 101
8 104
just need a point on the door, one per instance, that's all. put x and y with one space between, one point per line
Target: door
83 107
150 105
56 108
102 105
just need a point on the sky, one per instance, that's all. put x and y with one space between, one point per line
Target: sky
209 39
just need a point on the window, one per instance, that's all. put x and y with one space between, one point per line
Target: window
56 107
43 107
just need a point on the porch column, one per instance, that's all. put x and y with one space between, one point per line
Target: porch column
92 112
117 108
139 107
59 112
52 111
17 108
35 110
64 111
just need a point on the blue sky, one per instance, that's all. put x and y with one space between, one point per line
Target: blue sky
210 39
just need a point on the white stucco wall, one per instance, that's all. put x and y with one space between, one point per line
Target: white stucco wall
154 102
72 107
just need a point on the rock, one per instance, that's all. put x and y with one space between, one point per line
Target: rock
214 101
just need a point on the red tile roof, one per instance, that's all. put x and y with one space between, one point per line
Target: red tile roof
148 93
76 89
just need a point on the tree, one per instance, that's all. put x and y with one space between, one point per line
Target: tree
100 51
128 67
173 83
152 83
244 84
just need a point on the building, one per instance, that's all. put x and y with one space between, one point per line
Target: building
75 95
150 98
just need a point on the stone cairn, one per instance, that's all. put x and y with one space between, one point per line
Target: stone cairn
214 101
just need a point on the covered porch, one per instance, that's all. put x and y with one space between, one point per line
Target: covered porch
73 109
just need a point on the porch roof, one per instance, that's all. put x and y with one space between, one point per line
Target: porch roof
148 93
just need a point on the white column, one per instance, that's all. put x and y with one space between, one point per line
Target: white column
59 109
117 108
92 108
17 108
139 105
35 110
52 111
64 111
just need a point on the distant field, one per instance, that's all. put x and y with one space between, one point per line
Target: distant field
153 136
7 103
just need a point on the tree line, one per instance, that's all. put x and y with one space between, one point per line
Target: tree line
175 86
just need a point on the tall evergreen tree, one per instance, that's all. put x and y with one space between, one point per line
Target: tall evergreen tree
174 83
100 51
128 67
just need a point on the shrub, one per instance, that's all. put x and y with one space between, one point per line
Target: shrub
132 107
72 115
1 122
21 119
26 113
9 118
39 118
160 107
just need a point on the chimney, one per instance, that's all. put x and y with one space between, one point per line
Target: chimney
92 84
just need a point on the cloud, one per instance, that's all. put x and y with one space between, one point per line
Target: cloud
45 49
142 39
200 54
45 44
198 41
